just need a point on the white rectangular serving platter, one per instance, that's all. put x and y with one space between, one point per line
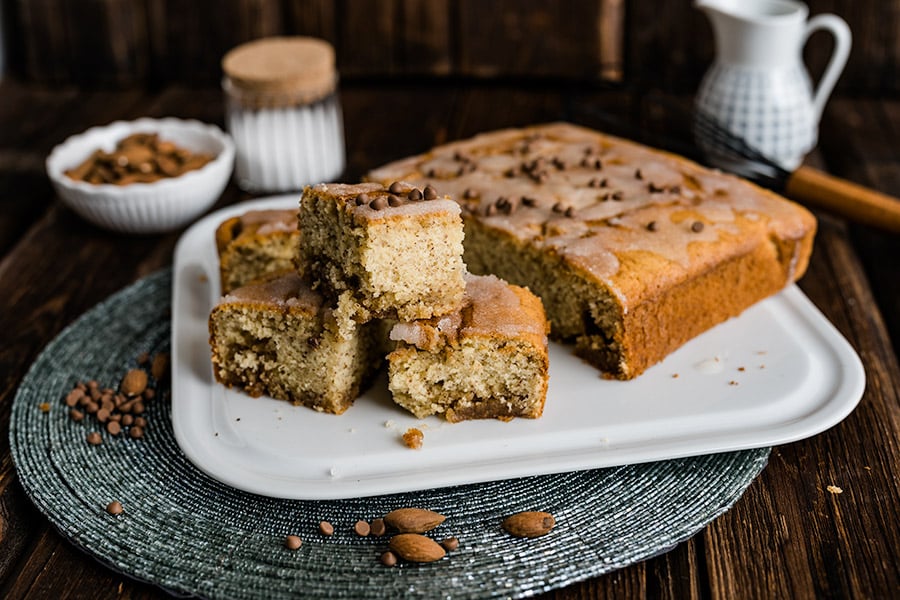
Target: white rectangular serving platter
778 373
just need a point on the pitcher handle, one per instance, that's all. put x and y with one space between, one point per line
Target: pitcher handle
842 40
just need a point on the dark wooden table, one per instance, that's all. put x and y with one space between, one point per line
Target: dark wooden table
788 537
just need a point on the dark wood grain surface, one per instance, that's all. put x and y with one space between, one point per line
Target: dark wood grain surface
788 537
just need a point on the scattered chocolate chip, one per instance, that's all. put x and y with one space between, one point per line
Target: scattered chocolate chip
414 194
326 528
378 527
126 419
114 428
618 195
293 542
697 226
394 200
114 508
651 226
136 432
92 407
140 421
379 203
450 544
143 358
149 394
389 559
160 366
103 415
362 199
430 193
76 415
73 397
397 188
44 407
94 438
362 528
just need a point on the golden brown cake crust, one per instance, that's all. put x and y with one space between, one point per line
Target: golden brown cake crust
670 246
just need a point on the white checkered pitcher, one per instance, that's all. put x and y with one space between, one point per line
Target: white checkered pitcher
758 88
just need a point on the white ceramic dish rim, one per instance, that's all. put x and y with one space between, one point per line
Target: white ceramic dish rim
243 458
100 136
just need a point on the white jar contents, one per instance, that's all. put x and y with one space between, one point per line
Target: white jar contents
283 113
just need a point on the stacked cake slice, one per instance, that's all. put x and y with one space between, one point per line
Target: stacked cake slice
370 257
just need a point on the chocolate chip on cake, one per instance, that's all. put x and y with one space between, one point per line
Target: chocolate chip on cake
430 193
570 212
414 194
397 188
394 200
528 201
362 199
618 195
379 203
470 193
697 226
651 226
638 175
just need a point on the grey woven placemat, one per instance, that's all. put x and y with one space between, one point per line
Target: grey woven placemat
193 535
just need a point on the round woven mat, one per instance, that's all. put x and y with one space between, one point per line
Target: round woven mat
191 534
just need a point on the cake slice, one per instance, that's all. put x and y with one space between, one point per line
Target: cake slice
278 337
487 360
632 250
395 252
256 244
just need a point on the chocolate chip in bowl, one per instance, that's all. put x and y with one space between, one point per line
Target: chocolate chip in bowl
143 176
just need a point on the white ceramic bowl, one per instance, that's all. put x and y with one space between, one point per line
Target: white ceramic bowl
155 207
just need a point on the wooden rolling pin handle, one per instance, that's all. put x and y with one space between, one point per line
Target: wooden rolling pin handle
841 197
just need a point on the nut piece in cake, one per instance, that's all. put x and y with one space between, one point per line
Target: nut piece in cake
397 251
486 360
256 244
632 250
277 337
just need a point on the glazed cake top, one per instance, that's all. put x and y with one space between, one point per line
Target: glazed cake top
492 308
374 201
285 292
629 216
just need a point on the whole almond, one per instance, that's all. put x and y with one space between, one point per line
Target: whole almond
416 548
413 520
134 382
529 524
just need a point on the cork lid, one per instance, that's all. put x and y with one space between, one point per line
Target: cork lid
300 66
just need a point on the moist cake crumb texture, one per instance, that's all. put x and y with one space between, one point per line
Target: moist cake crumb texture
488 360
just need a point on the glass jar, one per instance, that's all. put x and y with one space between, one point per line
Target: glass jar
283 112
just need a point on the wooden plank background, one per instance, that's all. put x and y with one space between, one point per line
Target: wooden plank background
666 45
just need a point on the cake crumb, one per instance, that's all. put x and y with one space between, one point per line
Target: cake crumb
413 438
834 489
45 407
